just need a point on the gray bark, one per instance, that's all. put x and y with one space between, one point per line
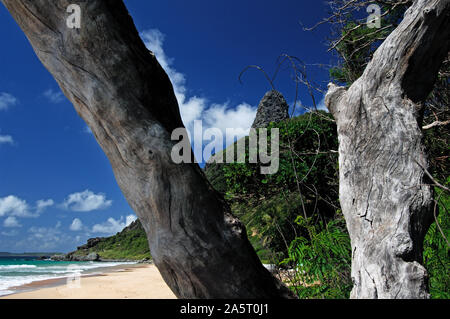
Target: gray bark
117 86
384 194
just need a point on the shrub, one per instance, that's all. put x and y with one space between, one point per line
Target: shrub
436 251
321 261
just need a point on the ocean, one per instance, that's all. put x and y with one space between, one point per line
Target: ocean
18 271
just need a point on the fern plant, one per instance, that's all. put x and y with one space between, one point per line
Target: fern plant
321 263
436 250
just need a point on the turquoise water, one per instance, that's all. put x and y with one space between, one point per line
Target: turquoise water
17 271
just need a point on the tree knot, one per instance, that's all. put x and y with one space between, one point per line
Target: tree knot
402 246
429 13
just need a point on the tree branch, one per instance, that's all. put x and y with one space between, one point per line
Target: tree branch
118 87
436 123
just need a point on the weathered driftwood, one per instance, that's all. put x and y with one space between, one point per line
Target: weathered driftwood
120 90
383 192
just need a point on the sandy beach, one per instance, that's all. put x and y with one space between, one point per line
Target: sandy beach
138 282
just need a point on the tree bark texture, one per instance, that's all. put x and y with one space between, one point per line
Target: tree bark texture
117 86
384 194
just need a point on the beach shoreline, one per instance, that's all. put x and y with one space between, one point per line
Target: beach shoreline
127 281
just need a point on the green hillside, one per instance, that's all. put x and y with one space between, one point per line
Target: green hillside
130 244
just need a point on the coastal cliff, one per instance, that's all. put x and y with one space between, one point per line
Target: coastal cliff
128 245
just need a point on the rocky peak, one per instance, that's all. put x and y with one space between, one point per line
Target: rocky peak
272 108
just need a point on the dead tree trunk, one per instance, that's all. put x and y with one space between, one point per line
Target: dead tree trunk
383 189
120 90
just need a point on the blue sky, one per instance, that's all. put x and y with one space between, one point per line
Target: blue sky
57 188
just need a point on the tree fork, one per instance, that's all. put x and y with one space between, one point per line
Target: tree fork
384 191
117 86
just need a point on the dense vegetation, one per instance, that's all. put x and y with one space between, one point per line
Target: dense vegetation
436 250
129 244
293 218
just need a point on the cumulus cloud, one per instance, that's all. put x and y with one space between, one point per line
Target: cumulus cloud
112 226
76 225
54 96
239 118
194 108
86 201
7 100
11 222
6 139
129 219
14 206
42 205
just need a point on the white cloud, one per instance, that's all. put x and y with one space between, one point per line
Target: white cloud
10 233
194 108
76 225
321 106
112 226
222 117
46 232
11 222
129 219
42 205
39 232
300 108
6 139
44 238
14 206
7 100
86 201
54 96
37 238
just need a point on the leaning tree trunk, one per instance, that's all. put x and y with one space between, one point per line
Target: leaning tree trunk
384 194
120 90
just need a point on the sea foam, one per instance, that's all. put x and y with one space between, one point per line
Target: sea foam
22 274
